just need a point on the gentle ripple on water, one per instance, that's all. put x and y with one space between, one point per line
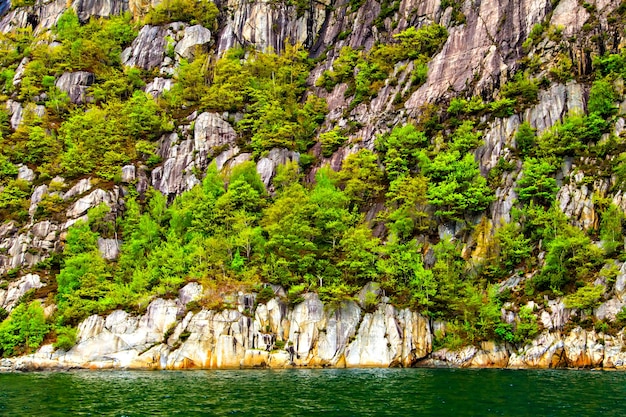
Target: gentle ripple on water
328 392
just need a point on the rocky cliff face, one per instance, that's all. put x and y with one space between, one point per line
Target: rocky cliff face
481 53
275 334
248 335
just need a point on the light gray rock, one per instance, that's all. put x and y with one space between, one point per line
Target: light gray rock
25 173
36 198
546 351
555 316
185 159
457 358
196 37
340 326
224 157
15 111
609 309
577 204
148 49
266 167
99 8
19 72
238 160
16 289
39 18
109 248
128 174
378 341
190 292
24 248
93 199
158 86
569 16
266 25
75 84
303 329
79 188
212 131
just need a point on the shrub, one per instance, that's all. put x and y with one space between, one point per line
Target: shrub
265 295
331 141
66 338
585 298
525 139
521 88
602 98
537 184
24 330
201 12
503 107
526 327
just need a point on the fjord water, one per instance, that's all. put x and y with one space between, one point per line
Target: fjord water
328 392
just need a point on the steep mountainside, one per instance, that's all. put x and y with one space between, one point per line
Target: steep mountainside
332 183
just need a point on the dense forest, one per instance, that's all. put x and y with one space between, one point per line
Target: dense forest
408 212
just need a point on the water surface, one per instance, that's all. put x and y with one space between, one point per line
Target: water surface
328 392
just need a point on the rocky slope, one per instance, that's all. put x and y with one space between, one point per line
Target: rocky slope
483 50
309 334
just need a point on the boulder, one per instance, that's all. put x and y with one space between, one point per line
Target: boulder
25 173
75 84
148 49
128 174
266 167
196 37
79 188
190 292
93 199
36 198
158 86
16 289
212 131
109 248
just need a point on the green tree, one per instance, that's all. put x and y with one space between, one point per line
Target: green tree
525 139
407 206
457 187
24 330
401 149
611 231
465 138
536 183
332 216
291 234
361 177
602 98
359 254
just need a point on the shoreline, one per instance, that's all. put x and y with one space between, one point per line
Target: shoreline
44 370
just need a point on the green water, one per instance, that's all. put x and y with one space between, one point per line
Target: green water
337 392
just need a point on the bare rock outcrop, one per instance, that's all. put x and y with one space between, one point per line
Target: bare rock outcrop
24 248
75 84
99 8
310 334
148 49
16 289
93 199
266 166
195 37
183 160
265 24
